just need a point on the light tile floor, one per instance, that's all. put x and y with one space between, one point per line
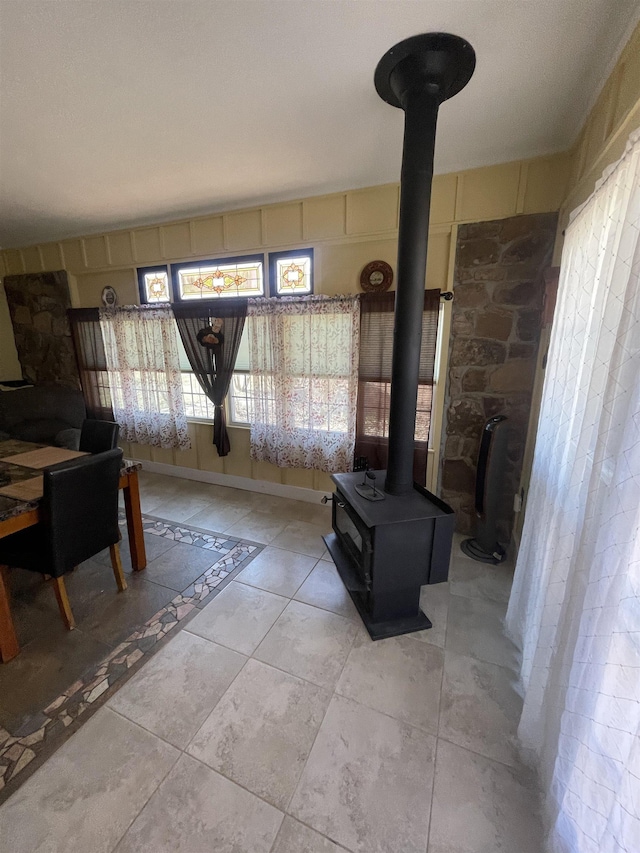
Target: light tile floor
272 723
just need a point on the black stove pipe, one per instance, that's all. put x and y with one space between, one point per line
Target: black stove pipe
416 75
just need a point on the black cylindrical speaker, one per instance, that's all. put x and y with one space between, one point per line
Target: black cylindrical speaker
490 481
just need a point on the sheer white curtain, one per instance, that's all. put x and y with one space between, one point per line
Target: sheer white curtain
575 605
303 354
141 351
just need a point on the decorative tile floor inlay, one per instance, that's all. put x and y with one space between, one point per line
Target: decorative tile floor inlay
17 752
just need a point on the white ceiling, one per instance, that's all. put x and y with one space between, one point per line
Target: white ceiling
131 111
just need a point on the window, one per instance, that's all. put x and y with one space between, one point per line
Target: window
143 366
196 403
291 273
239 396
92 364
304 375
153 284
223 278
375 410
374 385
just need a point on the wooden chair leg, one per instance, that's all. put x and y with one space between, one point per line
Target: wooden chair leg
63 602
114 551
4 578
9 647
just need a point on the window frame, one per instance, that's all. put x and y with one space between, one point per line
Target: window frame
142 290
269 277
229 406
362 409
193 381
235 259
274 257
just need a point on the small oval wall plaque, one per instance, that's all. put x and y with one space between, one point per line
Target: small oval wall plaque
377 276
109 297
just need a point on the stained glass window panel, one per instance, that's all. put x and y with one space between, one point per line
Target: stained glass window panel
221 280
293 276
156 286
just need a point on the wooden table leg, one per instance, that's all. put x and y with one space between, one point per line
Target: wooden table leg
134 522
9 647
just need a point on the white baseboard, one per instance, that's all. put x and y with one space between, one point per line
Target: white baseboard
264 487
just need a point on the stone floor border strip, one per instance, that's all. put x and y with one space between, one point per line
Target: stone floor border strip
63 716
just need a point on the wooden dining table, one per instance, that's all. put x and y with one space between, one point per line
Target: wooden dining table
21 484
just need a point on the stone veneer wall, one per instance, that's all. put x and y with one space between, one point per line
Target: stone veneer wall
38 304
496 322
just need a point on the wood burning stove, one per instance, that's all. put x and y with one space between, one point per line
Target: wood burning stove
386 549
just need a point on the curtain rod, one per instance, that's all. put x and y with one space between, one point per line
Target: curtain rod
93 313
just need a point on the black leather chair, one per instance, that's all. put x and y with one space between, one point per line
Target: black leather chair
80 518
98 436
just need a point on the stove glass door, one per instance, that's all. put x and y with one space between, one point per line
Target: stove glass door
348 530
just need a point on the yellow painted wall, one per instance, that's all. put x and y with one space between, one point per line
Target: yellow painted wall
604 134
9 364
346 230
336 225
601 141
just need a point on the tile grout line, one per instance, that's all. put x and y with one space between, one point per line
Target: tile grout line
297 785
183 752
248 658
433 791
290 601
334 693
138 725
333 690
41 745
173 764
226 779
512 767
321 834
435 751
291 598
197 731
203 531
153 793
437 737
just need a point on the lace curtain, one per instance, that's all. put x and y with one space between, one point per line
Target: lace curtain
575 605
303 381
141 352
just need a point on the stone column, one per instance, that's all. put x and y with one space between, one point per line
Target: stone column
38 304
496 322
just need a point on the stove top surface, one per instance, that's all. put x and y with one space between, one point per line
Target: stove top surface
394 509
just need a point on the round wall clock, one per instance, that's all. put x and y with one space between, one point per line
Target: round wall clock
109 297
376 276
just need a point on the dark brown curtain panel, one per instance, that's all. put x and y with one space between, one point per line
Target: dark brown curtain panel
92 364
211 334
374 380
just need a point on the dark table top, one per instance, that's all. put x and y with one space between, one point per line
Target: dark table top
10 474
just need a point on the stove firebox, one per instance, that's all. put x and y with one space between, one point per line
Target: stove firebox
387 546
